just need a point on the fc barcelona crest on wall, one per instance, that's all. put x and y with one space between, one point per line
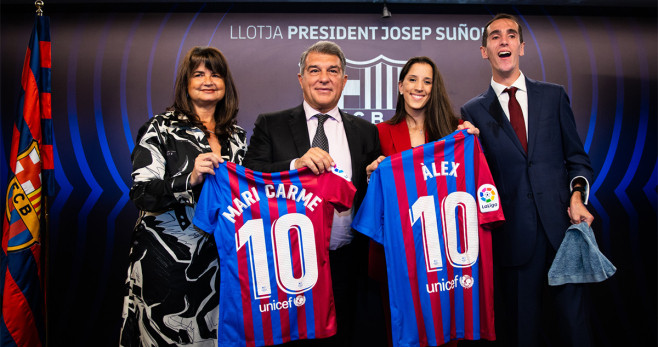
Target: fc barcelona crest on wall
372 88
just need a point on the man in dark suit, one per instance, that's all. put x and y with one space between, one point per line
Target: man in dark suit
283 141
541 170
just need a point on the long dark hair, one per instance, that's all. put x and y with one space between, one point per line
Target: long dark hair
440 120
227 109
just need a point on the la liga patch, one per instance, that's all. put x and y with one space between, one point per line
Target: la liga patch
488 198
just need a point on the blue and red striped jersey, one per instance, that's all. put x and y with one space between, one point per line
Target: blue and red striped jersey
272 232
431 207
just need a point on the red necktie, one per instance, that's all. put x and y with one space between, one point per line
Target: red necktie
516 117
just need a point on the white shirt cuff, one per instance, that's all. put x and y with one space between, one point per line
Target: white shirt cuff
586 187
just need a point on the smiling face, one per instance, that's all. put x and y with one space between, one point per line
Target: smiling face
205 88
323 81
503 49
416 87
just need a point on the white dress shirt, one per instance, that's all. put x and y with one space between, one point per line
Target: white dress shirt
339 150
522 98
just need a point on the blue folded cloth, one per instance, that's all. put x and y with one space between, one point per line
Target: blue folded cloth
579 259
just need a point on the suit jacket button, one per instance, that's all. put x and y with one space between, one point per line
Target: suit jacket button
529 164
529 195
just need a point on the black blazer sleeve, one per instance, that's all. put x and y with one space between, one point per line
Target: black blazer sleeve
278 138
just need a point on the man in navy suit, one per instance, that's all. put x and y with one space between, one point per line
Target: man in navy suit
542 173
286 140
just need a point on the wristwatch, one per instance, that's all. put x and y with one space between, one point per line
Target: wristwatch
580 189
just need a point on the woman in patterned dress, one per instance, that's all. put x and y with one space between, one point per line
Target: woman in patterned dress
173 279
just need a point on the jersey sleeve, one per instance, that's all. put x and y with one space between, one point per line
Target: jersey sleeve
369 220
490 210
208 207
337 189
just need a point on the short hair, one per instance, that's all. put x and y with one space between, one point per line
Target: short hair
227 108
323 47
485 35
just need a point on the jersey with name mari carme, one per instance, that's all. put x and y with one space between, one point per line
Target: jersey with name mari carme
272 232
429 206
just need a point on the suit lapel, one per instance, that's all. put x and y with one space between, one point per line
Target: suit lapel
400 136
534 111
353 142
299 130
493 107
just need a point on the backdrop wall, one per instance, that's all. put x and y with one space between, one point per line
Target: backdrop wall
114 68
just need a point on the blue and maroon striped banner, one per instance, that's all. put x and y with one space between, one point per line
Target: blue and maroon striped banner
23 312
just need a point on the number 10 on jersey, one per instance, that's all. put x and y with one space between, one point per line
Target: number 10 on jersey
252 234
455 204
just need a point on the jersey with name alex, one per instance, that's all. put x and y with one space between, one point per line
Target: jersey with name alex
272 232
429 206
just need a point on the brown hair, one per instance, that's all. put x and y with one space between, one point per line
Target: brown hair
485 35
227 109
440 120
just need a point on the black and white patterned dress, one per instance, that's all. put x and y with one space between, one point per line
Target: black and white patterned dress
172 286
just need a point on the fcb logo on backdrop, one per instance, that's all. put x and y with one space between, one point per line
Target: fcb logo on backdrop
372 88
488 198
